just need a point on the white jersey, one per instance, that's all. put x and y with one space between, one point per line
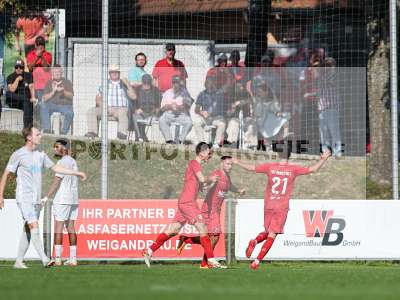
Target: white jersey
68 191
28 166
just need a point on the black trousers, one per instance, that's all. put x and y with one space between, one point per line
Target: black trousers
21 102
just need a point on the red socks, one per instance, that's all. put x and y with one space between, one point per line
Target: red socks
204 261
265 248
160 240
206 243
261 237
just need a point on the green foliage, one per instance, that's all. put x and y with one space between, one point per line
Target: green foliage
14 5
9 143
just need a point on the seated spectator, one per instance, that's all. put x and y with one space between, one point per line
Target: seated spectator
175 107
57 97
268 72
238 68
20 92
135 74
165 69
238 79
223 75
235 109
145 108
39 63
119 93
209 110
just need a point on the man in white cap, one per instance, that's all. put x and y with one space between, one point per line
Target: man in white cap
119 93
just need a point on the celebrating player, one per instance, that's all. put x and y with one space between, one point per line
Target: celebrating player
28 162
281 177
211 209
65 203
188 212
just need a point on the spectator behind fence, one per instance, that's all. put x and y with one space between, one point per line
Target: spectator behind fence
21 92
235 108
167 68
326 91
175 106
135 74
268 72
39 63
57 97
145 109
33 25
223 75
119 93
308 89
237 68
209 110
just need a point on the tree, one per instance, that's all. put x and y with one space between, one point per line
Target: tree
380 162
8 9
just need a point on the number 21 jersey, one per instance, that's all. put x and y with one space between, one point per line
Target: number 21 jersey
279 187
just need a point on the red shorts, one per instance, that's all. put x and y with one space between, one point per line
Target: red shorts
188 213
274 220
213 222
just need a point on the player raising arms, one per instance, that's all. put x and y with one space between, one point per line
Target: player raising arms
278 190
65 203
211 208
28 162
188 211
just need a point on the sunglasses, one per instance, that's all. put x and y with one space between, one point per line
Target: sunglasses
19 67
171 49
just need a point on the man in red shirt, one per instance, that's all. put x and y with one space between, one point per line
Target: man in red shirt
188 212
167 68
278 190
39 63
211 208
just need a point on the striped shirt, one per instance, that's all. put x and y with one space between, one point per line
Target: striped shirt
117 96
327 90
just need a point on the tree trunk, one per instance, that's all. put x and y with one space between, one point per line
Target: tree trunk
380 162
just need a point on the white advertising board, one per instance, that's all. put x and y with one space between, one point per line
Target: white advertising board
11 225
325 230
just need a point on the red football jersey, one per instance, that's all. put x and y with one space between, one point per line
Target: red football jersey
279 187
216 195
191 183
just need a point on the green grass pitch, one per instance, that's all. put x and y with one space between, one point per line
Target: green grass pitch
278 280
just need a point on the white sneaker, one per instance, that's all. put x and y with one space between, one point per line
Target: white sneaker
147 258
20 265
214 264
72 262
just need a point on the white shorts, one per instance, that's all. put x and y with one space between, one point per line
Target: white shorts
65 212
30 211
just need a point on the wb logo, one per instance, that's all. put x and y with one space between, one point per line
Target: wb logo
320 223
